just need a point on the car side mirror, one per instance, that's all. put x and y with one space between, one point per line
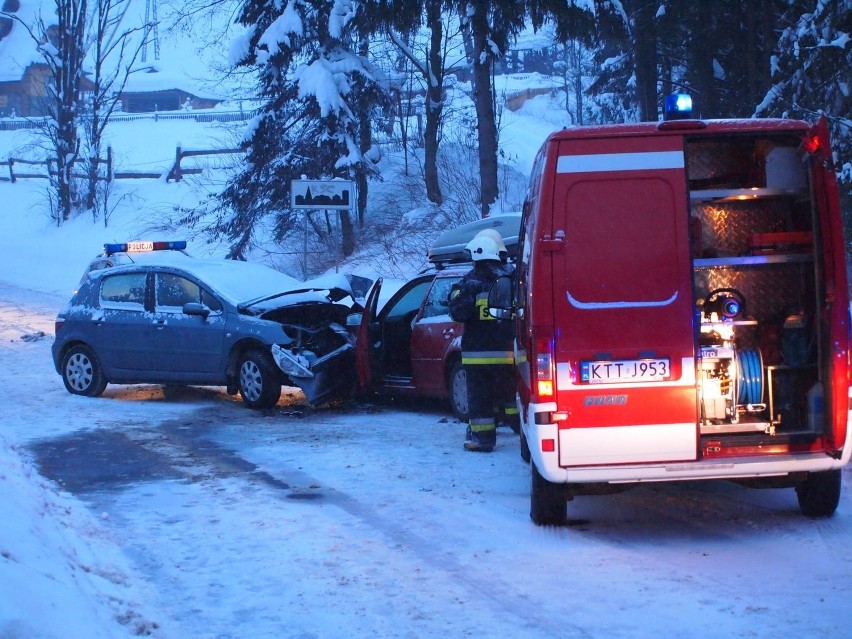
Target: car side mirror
353 320
194 308
500 302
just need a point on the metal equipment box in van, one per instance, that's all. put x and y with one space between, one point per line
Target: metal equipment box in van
682 311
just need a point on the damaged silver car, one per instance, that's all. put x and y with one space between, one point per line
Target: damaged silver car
226 323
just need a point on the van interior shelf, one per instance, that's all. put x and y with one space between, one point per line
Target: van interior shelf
742 194
742 322
753 260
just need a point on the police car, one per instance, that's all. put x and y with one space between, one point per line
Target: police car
410 346
145 312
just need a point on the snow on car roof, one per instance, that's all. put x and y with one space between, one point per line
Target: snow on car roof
236 281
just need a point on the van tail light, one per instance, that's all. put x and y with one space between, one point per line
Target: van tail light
57 324
544 379
811 144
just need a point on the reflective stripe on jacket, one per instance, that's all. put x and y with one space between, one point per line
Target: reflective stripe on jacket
487 357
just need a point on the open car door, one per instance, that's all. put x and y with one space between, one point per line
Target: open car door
366 355
834 305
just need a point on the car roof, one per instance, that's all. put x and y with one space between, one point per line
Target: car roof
238 282
454 270
147 257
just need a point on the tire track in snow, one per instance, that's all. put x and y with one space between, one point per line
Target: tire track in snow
184 442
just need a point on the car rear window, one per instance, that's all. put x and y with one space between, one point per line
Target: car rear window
124 289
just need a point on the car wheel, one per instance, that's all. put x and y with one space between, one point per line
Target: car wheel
819 494
260 383
82 373
548 503
457 388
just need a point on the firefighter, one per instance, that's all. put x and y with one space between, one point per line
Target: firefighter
487 356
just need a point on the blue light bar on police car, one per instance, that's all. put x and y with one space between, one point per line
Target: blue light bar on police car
677 106
141 247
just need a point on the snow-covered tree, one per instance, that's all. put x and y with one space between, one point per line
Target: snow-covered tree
811 71
112 46
430 62
718 51
492 25
318 89
59 34
81 39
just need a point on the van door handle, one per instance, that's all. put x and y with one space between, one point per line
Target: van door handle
160 323
553 244
449 332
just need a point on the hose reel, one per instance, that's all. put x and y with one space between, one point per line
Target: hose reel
750 376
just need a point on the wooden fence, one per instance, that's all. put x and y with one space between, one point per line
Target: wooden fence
175 172
197 115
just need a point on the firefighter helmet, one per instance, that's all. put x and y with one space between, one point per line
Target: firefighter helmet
483 247
494 234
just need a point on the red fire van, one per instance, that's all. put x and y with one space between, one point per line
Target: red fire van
682 311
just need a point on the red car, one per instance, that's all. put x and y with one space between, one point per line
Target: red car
410 346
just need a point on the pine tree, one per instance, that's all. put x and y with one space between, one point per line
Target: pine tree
493 25
402 19
811 71
718 51
317 91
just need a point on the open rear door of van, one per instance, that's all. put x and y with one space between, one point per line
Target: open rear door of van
834 311
625 347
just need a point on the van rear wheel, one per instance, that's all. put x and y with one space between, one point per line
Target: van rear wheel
548 501
819 494
525 447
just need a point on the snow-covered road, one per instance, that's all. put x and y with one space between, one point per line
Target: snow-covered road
371 520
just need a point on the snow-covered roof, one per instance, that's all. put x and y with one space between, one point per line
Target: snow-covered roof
164 76
532 40
179 67
510 82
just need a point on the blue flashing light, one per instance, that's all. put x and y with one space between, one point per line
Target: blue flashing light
109 249
140 247
677 106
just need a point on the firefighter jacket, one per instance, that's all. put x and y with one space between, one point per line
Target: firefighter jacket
486 340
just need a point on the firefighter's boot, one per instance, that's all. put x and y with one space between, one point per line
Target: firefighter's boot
481 435
508 416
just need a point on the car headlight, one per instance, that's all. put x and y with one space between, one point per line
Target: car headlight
292 364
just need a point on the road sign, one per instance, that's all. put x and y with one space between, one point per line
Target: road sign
322 194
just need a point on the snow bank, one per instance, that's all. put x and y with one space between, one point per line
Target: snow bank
58 567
